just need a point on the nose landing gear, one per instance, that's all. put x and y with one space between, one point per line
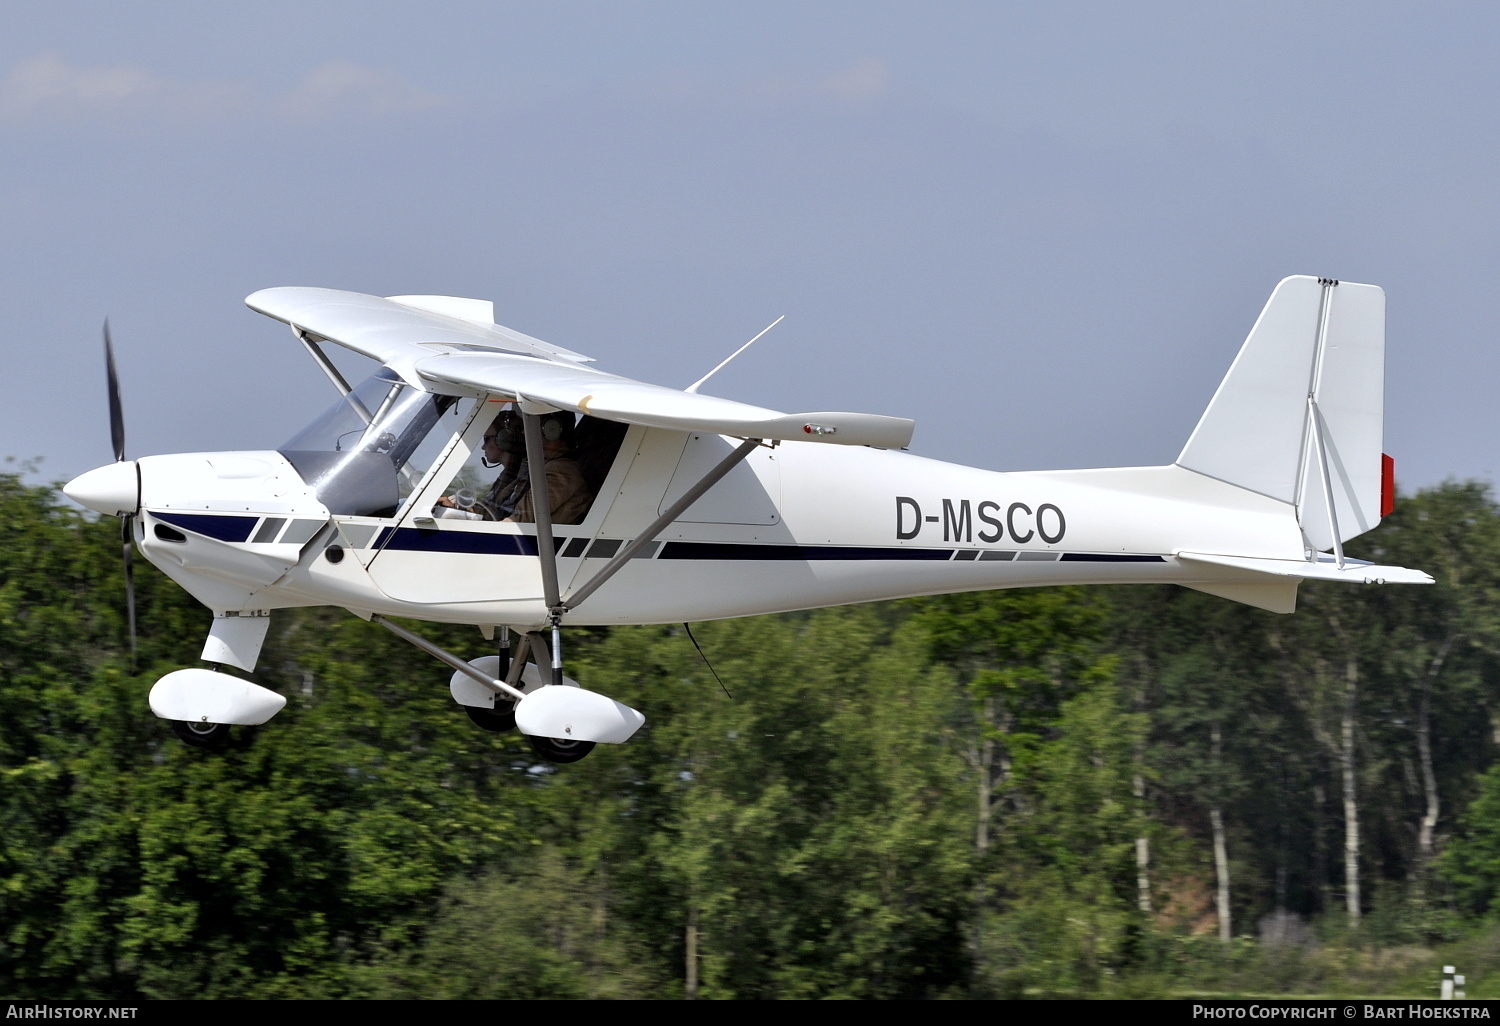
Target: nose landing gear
200 734
559 750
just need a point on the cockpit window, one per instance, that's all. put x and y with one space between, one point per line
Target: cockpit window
371 449
495 482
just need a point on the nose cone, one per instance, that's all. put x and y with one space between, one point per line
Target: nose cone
114 488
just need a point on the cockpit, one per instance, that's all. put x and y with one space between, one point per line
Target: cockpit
368 452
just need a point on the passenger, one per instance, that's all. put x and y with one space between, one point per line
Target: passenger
509 497
568 494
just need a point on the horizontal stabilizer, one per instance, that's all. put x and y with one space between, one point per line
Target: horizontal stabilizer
1353 571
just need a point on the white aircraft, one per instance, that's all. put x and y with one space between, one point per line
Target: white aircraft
484 477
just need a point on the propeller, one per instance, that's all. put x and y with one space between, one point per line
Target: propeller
127 521
116 411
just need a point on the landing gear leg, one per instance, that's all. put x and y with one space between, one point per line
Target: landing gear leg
552 749
502 718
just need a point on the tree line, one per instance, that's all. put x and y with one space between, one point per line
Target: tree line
991 794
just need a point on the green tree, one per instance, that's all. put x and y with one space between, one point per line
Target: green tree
801 838
1067 913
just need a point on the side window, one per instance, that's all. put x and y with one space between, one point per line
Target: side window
432 431
494 483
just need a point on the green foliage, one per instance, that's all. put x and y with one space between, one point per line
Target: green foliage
937 797
539 928
801 828
1067 913
1472 862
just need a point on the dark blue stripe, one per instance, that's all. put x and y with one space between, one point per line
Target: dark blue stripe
1109 557
720 550
417 539
229 529
413 539
427 539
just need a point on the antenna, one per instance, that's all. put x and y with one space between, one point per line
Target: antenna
693 388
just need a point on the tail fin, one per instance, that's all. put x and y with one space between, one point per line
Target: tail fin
1299 416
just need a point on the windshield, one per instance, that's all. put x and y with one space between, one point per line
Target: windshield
370 450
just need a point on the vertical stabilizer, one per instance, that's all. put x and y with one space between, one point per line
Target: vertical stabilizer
1299 416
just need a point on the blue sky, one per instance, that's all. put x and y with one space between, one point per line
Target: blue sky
1041 230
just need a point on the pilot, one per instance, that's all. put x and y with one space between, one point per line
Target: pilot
504 446
509 497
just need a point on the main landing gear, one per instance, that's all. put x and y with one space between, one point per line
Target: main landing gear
562 726
501 717
499 692
496 720
554 749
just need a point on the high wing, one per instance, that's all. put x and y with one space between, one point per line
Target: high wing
402 329
443 342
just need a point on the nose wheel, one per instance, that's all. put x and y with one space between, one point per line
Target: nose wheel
201 735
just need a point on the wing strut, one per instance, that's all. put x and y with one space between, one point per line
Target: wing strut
546 548
541 506
339 381
647 536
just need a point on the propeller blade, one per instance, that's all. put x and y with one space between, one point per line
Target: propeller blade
127 524
116 412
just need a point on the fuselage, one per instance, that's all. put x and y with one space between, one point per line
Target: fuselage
793 527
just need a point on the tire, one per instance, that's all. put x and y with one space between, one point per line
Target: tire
201 735
500 719
559 751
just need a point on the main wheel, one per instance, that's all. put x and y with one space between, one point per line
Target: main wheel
499 719
201 735
560 750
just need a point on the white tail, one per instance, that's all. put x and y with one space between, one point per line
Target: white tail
1299 416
